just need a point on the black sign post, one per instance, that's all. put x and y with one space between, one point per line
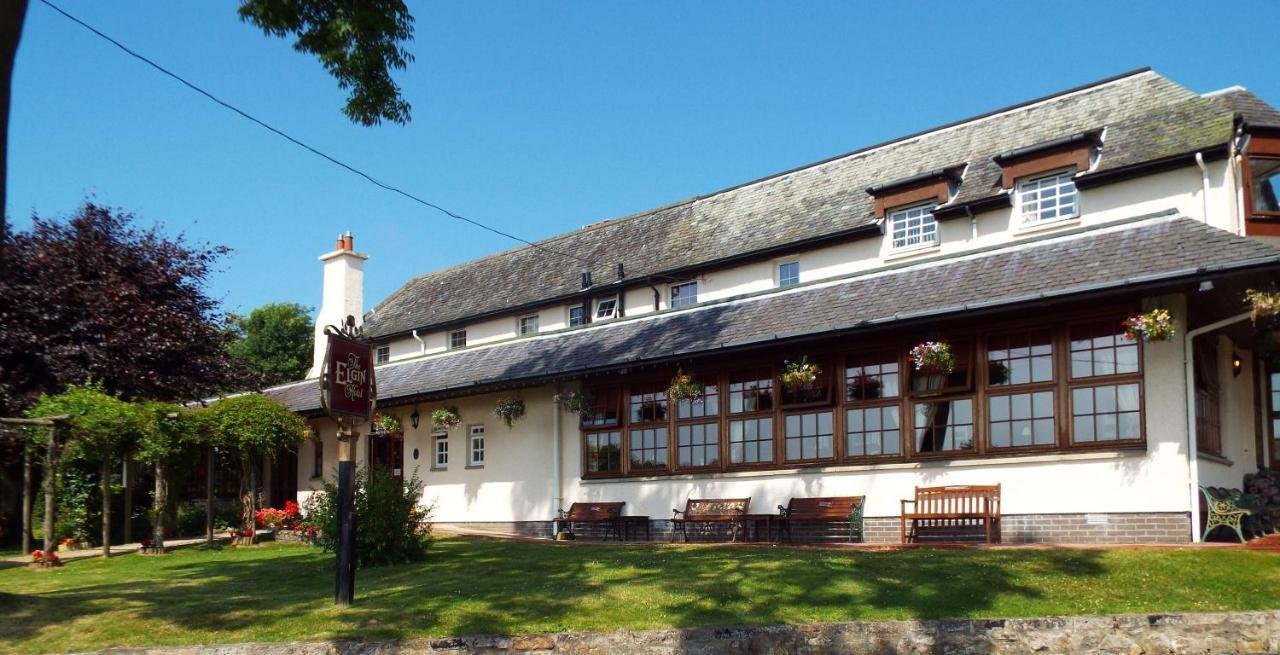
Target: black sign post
348 393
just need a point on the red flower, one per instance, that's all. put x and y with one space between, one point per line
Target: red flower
37 555
51 557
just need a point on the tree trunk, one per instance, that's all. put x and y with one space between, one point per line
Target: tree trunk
208 498
248 482
160 505
12 15
51 486
127 471
27 454
106 506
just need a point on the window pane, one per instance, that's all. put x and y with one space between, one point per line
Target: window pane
649 448
708 405
649 404
751 441
788 274
751 392
604 453
872 431
1106 413
808 436
1102 349
1266 184
1047 198
684 294
1024 419
873 377
944 426
913 227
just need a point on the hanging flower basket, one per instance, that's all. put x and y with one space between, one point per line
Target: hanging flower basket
684 387
1155 325
576 402
446 418
387 423
1264 305
509 409
800 375
933 358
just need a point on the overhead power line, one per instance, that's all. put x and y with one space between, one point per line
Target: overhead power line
311 149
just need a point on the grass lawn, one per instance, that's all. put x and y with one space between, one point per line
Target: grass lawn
278 592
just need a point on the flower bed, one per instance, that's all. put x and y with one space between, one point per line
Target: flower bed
45 560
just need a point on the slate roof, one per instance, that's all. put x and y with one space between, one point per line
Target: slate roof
1249 106
1147 249
1147 117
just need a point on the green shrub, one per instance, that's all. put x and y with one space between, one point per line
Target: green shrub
190 520
393 526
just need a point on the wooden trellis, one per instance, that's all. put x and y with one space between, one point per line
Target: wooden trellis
57 426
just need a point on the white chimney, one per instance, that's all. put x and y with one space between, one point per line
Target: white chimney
343 294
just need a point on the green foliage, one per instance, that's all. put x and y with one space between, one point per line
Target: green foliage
274 342
393 524
100 425
358 42
253 423
168 430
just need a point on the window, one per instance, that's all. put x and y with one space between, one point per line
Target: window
477 445
1048 198
577 315
382 355
604 452
649 448
1105 413
1021 419
1102 349
873 431
528 325
707 406
683 295
871 378
1273 413
317 458
809 436
457 339
1023 358
441 460
913 227
606 308
751 392
698 445
605 408
944 426
751 441
1265 185
649 404
788 274
927 383
1208 406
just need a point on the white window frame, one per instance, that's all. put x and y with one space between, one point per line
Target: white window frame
520 325
586 312
1061 178
613 311
475 437
671 294
438 440
382 355
449 339
904 213
778 271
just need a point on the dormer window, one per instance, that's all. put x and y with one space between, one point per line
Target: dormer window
913 227
606 308
528 325
577 315
1048 198
382 355
683 295
1261 169
457 339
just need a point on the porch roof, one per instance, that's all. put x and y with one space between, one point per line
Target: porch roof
1153 249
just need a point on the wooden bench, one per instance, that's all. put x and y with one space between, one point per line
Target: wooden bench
833 509
710 510
956 506
603 513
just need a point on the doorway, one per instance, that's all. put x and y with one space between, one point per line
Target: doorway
387 450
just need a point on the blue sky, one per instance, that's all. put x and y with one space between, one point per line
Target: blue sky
539 117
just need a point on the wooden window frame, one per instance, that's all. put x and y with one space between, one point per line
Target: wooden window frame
520 325
928 207
623 457
1020 207
1273 416
782 438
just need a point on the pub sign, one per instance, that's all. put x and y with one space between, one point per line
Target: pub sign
347 386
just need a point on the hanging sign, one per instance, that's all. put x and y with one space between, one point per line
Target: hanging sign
347 386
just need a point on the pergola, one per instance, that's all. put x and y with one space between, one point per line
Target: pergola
57 426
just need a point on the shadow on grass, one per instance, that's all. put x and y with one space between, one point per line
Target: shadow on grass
470 586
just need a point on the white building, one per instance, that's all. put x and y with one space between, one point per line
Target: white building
1024 237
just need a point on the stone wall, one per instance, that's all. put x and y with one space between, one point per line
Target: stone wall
1134 634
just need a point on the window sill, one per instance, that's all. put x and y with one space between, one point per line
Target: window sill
913 253
1215 458
474 466
1047 226
438 468
933 463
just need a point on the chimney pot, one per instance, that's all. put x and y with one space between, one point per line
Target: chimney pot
348 242
339 246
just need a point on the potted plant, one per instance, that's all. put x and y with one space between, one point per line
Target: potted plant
446 418
572 401
1155 325
800 375
509 409
684 387
386 423
933 361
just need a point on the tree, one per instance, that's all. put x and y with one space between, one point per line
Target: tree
94 297
254 426
358 41
102 427
170 431
274 341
